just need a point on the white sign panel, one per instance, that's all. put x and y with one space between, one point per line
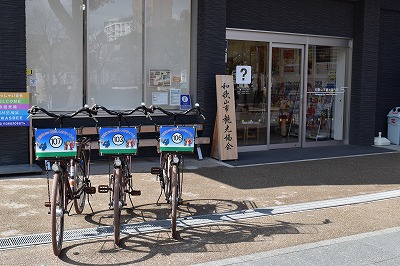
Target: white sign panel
159 98
175 97
243 74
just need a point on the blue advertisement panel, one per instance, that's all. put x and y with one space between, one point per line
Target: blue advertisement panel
55 143
114 140
177 138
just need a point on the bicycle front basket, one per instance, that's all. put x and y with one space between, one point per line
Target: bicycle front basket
177 139
117 141
55 142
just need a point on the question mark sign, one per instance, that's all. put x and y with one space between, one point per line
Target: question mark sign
244 71
243 74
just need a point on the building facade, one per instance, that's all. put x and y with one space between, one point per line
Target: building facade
319 72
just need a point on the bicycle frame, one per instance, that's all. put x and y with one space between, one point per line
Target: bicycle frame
171 157
120 143
63 143
123 165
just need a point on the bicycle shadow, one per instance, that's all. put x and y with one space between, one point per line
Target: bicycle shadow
160 211
160 248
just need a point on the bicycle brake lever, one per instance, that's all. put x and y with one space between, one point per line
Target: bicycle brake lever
94 109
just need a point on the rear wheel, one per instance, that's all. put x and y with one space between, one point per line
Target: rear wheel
117 202
80 185
58 197
174 200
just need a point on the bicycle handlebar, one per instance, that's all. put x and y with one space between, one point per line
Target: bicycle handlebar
176 114
141 108
35 109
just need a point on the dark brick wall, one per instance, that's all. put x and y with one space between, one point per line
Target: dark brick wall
388 94
211 57
14 144
390 5
375 80
329 17
356 86
365 72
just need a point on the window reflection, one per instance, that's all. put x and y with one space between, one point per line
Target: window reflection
54 53
125 39
167 51
323 116
325 93
115 53
250 99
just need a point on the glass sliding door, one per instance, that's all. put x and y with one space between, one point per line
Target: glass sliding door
268 116
285 95
251 111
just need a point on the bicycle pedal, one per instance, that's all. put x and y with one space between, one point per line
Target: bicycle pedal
135 192
156 170
47 204
103 189
90 190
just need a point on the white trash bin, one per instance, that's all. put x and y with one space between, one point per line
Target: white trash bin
394 125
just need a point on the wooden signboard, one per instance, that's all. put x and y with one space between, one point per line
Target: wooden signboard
224 146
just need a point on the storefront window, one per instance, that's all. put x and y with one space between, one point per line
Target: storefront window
296 96
54 53
167 60
115 49
136 51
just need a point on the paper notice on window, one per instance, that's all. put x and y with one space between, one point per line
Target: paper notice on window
159 98
158 77
175 97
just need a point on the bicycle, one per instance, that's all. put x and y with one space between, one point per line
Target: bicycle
121 144
174 142
70 159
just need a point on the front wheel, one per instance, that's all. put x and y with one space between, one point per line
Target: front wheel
57 213
117 202
174 200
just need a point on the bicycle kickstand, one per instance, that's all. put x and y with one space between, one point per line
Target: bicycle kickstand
90 205
130 199
158 204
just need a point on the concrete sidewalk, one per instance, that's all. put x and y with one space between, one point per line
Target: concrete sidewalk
219 191
373 248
